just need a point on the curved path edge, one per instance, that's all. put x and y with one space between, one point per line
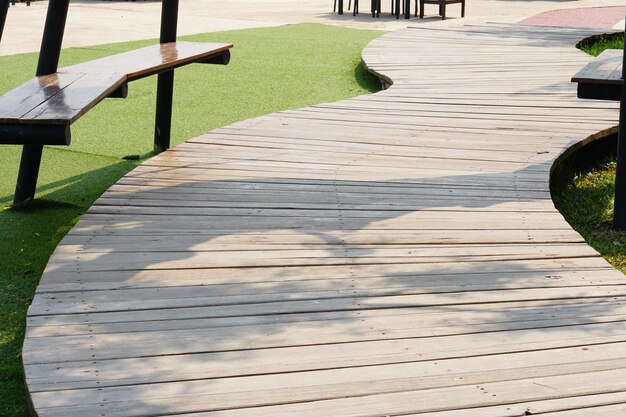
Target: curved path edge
391 254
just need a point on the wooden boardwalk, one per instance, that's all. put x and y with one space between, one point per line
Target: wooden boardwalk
389 255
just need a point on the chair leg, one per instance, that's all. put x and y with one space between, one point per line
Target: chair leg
463 8
416 4
349 4
355 11
442 10
375 7
421 9
335 6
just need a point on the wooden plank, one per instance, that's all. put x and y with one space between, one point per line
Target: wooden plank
485 394
606 68
392 254
426 316
63 97
71 375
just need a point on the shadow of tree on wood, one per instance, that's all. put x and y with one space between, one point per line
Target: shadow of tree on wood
213 282
196 287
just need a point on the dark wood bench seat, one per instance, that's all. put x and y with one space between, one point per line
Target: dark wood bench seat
601 79
41 110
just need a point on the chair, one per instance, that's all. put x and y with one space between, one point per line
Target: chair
442 6
355 11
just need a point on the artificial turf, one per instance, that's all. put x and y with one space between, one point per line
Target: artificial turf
271 69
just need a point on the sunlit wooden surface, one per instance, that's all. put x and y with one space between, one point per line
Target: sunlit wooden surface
393 254
63 97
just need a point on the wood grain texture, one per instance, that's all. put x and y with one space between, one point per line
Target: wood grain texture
392 254
605 69
63 97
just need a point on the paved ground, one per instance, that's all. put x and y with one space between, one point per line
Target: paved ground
95 22
588 17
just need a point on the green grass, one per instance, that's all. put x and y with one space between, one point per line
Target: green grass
595 45
585 197
587 204
271 69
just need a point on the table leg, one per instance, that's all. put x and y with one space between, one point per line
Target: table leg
407 11
340 7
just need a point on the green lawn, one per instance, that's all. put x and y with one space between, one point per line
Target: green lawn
596 44
586 196
587 204
271 69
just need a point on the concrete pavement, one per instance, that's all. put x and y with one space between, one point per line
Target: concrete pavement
93 22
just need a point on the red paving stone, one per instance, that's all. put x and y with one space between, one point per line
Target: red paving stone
588 17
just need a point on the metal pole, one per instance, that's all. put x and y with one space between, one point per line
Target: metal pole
52 37
4 9
165 81
619 213
48 63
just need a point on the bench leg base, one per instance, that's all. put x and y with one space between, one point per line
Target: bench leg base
163 123
28 174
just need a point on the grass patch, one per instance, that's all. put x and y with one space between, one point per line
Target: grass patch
587 204
271 69
595 45
584 193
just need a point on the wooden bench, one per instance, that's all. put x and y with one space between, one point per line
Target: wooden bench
41 111
601 79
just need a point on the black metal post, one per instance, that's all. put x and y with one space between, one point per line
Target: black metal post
50 51
165 81
28 174
619 213
48 63
4 9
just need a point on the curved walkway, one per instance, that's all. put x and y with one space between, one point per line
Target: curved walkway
393 254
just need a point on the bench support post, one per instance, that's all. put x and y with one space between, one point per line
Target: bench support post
619 206
48 64
4 9
165 82
28 174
